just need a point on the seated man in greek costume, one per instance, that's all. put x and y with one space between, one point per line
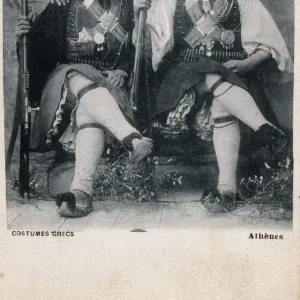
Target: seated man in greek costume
207 55
80 57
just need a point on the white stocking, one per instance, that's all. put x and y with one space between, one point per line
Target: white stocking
235 101
239 103
89 148
226 142
102 108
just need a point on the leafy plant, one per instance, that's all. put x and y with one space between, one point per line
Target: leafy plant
123 180
272 192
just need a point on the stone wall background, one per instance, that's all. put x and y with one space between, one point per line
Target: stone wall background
281 95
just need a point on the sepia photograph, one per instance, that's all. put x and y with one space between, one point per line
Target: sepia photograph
148 114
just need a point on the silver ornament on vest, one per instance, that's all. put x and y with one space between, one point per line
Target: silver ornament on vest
207 30
227 39
99 39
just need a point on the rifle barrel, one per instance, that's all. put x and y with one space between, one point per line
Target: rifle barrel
25 111
138 60
24 38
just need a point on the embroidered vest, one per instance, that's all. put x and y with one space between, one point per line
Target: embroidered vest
95 35
210 28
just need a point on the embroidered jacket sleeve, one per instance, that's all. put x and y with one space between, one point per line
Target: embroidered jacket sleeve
259 31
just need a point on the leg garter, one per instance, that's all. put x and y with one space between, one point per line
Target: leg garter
91 125
86 89
222 120
217 84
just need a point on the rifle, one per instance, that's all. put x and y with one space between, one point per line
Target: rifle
22 116
141 78
134 97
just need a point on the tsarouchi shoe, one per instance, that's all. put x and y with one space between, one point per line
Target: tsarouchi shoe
141 149
138 146
216 202
74 205
274 139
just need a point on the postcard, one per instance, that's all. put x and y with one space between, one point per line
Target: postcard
149 149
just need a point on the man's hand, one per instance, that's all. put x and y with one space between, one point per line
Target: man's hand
23 25
60 2
238 66
141 4
249 64
116 77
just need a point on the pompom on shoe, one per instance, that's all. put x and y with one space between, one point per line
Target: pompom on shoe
74 205
215 201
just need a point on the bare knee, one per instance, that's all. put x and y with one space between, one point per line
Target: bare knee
78 82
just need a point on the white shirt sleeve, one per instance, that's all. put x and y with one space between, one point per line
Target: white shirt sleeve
160 23
259 31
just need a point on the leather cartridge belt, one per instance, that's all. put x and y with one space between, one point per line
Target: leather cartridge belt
193 55
97 64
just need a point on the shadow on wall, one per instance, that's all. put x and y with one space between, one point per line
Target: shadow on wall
280 96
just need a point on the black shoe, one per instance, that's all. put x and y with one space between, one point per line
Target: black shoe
274 139
67 208
215 201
